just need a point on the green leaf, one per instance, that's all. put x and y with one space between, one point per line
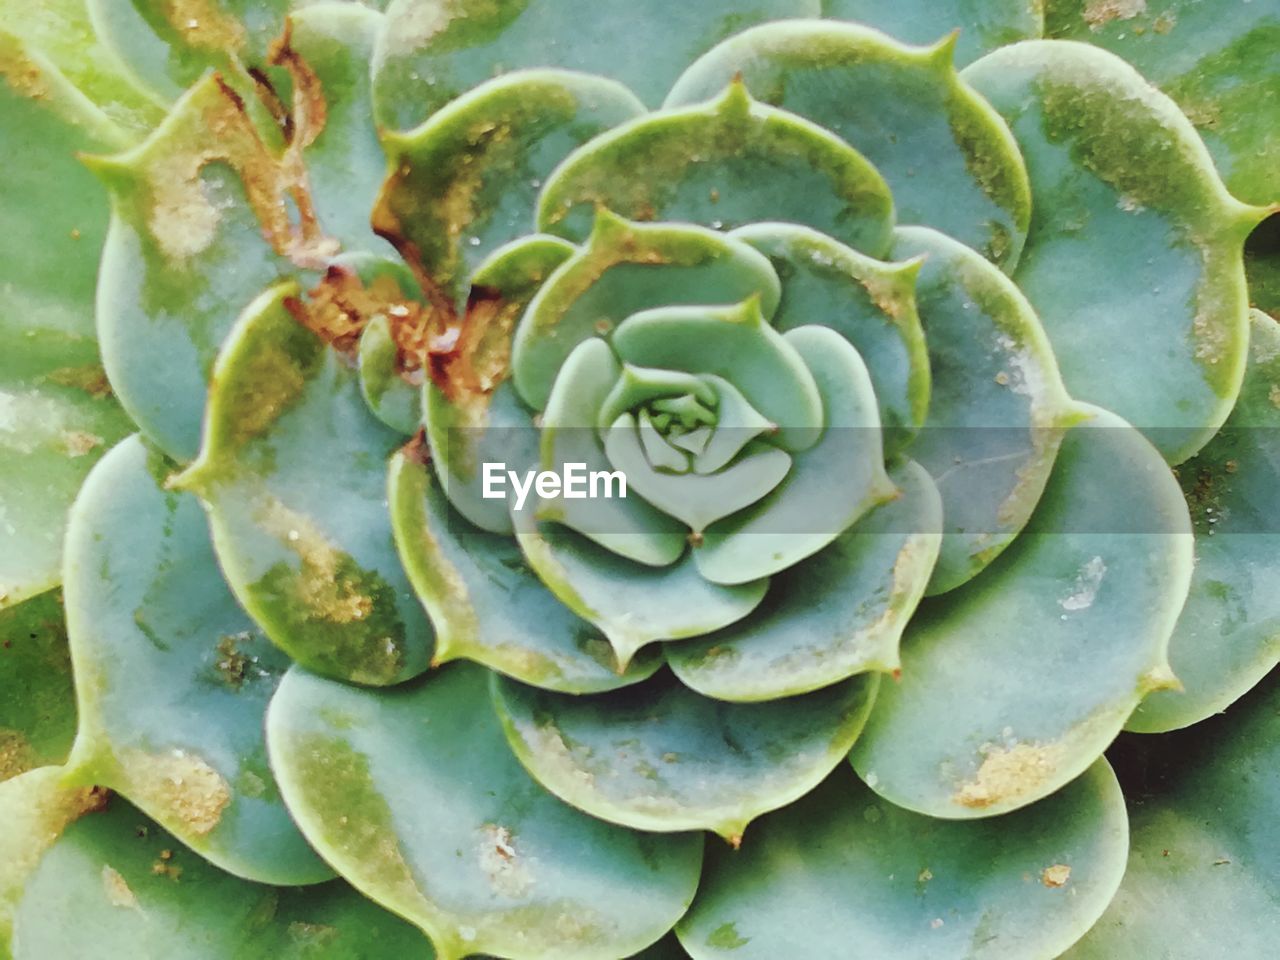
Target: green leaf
722 164
998 407
947 156
738 344
625 525
625 268
38 710
1014 684
1126 196
475 417
211 209
65 33
983 26
838 613
1228 637
172 677
830 485
466 182
496 864
486 604
303 537
57 415
633 605
869 303
1215 60
1204 866
113 883
391 398
844 874
435 50
659 756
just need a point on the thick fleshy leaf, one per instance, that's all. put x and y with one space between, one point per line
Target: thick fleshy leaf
485 602
659 756
170 44
844 874
497 864
392 399
209 211
947 156
838 613
435 50
38 707
722 164
633 605
1228 637
1204 866
998 406
35 808
466 182
1217 61
984 25
172 677
57 415
302 536
738 344
113 883
474 416
1134 241
1014 684
693 498
64 32
623 524
625 268
869 303
830 485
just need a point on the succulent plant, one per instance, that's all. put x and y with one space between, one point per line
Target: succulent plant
920 335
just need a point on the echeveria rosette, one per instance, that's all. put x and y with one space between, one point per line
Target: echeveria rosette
866 336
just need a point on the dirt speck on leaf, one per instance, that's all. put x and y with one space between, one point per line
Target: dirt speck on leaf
116 889
502 863
1055 876
180 785
1007 773
1098 13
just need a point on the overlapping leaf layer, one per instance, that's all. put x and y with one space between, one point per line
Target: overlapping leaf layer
933 432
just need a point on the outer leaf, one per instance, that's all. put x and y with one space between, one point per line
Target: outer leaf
946 155
62 31
35 808
57 415
830 485
303 538
172 677
1228 637
37 711
844 874
838 613
1204 868
984 25
625 268
112 883
660 757
998 406
1215 60
476 417
210 210
498 865
465 183
485 602
1127 197
434 50
1015 684
722 164
870 304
